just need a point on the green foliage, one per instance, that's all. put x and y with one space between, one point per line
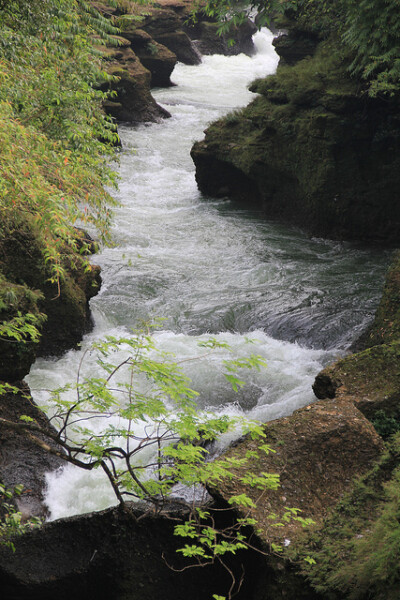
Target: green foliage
55 139
11 522
355 555
22 327
20 318
386 425
373 33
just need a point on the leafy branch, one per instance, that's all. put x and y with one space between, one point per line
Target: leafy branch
138 421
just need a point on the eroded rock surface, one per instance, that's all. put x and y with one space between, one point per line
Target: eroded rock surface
319 450
133 101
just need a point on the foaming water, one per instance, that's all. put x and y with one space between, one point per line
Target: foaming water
209 266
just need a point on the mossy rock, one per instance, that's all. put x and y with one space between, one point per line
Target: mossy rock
369 379
356 551
386 325
26 288
311 150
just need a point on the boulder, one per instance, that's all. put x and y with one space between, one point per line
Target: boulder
116 554
318 451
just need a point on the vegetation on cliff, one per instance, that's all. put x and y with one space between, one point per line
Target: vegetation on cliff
369 30
320 146
357 549
54 162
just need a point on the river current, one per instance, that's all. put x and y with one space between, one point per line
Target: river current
209 266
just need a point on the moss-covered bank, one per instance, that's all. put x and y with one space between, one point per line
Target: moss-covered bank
60 313
313 148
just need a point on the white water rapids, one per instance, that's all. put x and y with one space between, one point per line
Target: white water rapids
208 266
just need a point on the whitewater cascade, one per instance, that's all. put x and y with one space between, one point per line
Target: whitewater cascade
208 266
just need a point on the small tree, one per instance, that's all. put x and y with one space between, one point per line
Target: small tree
140 424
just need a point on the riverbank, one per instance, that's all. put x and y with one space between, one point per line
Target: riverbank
308 150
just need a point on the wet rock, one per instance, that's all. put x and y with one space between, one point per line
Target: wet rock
239 40
23 462
111 555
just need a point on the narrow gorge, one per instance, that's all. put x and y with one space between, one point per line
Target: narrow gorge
251 259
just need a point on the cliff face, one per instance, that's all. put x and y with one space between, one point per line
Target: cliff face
311 149
25 288
153 38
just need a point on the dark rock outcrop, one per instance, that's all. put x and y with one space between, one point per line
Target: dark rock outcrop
22 461
27 289
111 555
133 101
207 40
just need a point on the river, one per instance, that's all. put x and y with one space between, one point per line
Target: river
209 266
